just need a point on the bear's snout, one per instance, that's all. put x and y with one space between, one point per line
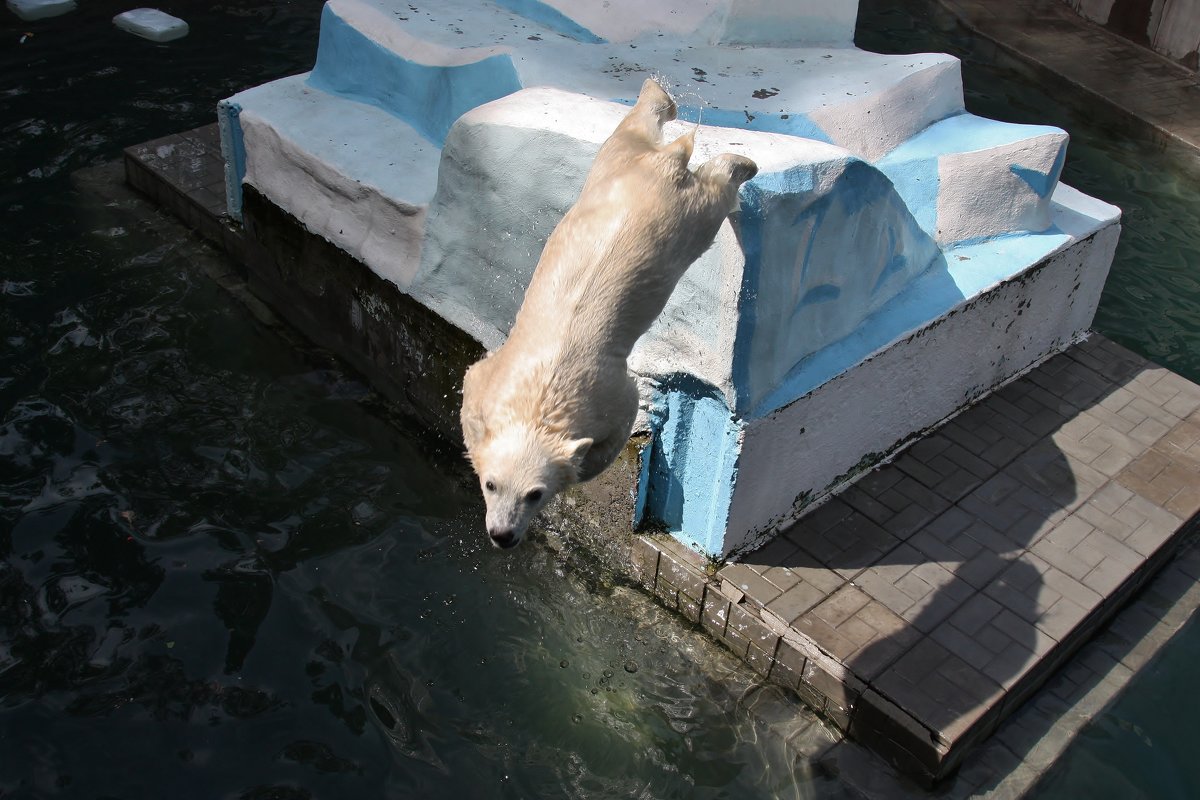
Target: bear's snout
503 539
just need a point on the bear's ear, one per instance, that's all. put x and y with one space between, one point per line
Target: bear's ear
577 450
654 98
474 430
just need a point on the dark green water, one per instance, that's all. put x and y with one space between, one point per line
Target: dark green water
225 570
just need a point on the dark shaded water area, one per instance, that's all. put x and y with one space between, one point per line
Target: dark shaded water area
226 569
1143 745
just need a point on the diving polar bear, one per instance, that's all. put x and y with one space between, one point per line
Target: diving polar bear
555 403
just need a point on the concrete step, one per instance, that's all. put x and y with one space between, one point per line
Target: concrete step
349 171
968 178
920 606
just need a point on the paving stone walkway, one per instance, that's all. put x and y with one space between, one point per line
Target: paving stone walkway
1136 80
921 605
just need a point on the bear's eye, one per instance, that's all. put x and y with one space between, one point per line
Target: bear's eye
533 496
491 487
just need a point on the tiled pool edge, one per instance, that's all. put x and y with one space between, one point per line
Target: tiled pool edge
1013 759
1017 756
1011 762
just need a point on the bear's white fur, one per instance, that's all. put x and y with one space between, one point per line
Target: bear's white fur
556 403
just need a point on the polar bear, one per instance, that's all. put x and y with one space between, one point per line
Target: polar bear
555 403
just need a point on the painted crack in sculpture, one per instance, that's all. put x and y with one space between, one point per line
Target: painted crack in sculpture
441 144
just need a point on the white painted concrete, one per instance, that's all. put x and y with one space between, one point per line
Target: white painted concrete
968 178
778 88
348 171
912 384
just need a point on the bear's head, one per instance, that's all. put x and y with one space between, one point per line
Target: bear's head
520 468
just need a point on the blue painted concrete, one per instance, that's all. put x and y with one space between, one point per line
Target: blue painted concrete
1042 183
551 18
825 246
964 133
913 166
961 272
917 181
233 145
790 124
693 465
429 98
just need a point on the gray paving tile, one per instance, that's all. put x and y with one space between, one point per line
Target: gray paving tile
796 601
1061 618
868 504
963 645
780 577
1110 497
1106 577
750 582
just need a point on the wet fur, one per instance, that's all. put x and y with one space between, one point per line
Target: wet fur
556 403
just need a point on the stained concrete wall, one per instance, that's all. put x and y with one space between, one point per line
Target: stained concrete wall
1172 27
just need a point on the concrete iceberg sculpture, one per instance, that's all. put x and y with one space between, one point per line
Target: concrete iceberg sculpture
895 259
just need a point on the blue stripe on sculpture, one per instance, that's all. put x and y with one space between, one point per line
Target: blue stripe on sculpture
550 17
692 463
429 98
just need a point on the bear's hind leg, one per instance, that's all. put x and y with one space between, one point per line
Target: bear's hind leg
604 451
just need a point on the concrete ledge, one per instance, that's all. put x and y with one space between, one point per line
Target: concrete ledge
1155 96
184 173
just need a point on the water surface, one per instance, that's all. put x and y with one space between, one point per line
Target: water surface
226 570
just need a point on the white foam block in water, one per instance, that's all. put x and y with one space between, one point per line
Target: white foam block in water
152 24
40 9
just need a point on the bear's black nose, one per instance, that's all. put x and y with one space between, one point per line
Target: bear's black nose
503 539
